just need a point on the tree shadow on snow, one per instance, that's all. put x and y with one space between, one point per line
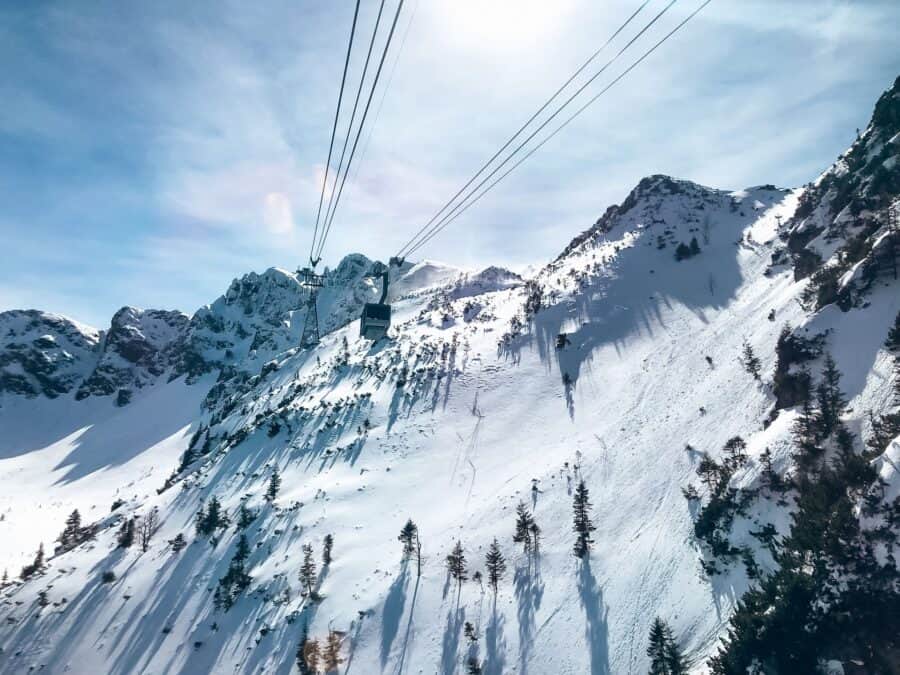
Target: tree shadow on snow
529 590
596 623
393 612
450 641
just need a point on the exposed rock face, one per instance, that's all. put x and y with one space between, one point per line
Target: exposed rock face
44 354
140 346
840 234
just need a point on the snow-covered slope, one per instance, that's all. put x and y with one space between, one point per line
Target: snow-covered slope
616 364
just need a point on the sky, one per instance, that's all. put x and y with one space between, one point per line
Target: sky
150 152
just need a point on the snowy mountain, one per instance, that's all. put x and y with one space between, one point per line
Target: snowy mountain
683 319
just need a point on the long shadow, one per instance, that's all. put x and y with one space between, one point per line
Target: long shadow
596 629
409 624
132 430
619 298
494 644
393 612
529 590
450 641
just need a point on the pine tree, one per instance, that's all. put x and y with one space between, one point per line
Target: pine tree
750 361
694 246
71 534
582 521
274 486
524 521
36 566
125 537
708 471
770 477
456 564
469 632
495 565
178 543
736 451
830 398
409 535
327 544
805 430
473 667
211 518
308 569
893 338
245 517
236 580
665 657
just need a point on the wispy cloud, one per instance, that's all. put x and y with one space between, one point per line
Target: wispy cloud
151 170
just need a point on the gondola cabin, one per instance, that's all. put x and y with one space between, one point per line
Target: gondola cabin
375 320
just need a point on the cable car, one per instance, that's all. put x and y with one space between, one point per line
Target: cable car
376 316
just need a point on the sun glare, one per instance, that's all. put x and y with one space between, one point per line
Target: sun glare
501 24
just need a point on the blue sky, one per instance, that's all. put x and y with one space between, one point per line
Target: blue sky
152 151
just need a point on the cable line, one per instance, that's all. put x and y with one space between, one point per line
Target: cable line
360 127
362 82
525 125
439 225
562 126
333 131
387 86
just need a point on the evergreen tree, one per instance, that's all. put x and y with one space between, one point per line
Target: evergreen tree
211 518
236 579
125 537
473 667
71 534
694 246
469 632
409 535
245 517
736 452
708 471
893 338
274 486
308 569
178 543
805 430
770 477
665 656
456 564
327 545
750 361
524 521
582 521
495 565
830 398
36 566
